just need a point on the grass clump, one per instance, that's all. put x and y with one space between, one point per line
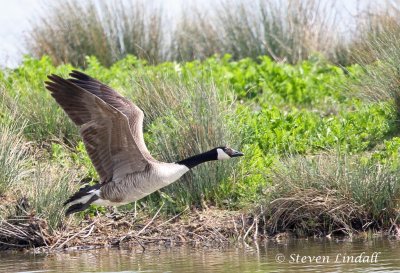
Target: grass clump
72 30
381 80
327 194
289 31
47 190
13 155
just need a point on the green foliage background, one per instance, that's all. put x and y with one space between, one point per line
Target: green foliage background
271 111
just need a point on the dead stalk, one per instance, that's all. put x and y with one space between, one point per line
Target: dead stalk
249 229
169 220
151 221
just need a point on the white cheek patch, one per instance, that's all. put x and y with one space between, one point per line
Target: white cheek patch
222 155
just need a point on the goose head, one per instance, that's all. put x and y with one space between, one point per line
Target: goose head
224 153
218 153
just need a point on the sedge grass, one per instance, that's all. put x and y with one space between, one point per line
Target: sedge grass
13 155
328 193
48 188
286 31
71 30
377 51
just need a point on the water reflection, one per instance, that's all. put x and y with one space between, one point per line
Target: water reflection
286 256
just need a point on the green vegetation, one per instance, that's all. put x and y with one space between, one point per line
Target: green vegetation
320 140
318 158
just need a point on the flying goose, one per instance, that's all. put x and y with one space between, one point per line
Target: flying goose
112 131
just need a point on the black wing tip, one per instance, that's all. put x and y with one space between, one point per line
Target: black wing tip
75 74
75 208
53 77
55 81
79 75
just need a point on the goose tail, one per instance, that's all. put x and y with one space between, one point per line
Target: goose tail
82 199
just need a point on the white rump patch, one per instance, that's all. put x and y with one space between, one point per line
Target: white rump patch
222 155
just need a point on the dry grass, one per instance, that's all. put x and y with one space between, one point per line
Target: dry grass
13 156
326 194
377 31
377 50
314 212
71 30
23 232
195 37
287 31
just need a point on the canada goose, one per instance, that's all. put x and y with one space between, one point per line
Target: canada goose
111 129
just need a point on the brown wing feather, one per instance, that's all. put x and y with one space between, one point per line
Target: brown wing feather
104 129
131 111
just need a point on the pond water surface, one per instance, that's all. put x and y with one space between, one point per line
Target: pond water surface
313 255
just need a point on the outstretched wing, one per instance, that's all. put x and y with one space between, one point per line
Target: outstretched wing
105 130
131 111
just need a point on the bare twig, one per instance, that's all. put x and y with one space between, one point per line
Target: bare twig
169 220
75 235
151 221
249 229
88 234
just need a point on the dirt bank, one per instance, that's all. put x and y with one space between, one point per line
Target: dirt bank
212 227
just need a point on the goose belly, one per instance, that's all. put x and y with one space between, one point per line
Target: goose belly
141 187
138 185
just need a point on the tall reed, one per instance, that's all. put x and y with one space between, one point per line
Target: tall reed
287 30
284 30
377 50
71 30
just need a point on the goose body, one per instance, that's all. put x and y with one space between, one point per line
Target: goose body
138 185
111 129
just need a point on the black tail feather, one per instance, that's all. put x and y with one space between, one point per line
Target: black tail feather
84 191
81 206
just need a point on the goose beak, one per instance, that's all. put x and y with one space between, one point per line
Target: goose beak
237 154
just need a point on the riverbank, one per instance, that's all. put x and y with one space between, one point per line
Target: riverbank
212 227
208 228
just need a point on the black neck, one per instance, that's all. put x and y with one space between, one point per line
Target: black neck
195 160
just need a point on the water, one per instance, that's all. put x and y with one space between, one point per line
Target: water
373 255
